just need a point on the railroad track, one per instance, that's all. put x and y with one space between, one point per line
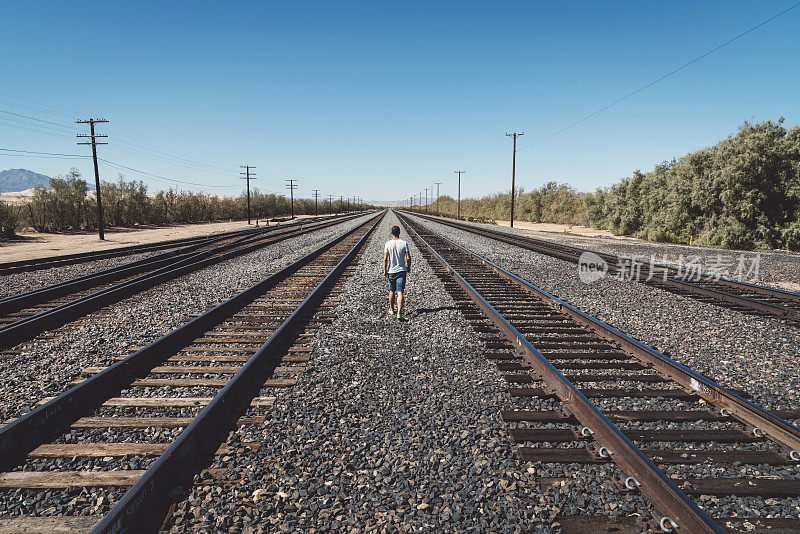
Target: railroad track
619 401
202 380
83 257
747 298
27 315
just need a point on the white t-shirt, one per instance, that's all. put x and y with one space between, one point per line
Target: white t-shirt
397 249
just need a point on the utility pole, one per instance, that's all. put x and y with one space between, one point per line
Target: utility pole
513 172
426 198
341 203
458 212
292 186
93 141
316 202
437 197
330 204
248 176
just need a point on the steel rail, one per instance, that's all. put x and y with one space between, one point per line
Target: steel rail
667 498
572 253
46 422
29 327
178 462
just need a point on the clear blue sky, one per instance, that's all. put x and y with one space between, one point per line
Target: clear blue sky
381 99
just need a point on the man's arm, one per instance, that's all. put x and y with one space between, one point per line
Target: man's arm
385 264
408 260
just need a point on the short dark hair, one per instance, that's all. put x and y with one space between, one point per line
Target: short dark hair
396 231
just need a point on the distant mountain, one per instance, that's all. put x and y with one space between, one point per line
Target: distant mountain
14 180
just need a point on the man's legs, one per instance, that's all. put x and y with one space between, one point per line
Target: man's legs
400 286
392 290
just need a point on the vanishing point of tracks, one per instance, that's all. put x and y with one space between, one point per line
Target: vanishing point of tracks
26 315
208 376
612 392
741 296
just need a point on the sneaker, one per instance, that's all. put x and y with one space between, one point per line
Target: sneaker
391 313
399 316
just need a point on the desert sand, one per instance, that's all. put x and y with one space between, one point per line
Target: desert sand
564 229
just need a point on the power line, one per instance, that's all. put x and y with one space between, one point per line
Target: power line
634 64
36 128
147 139
161 177
173 160
58 155
665 76
646 86
179 160
37 109
27 152
175 163
63 111
35 119
67 113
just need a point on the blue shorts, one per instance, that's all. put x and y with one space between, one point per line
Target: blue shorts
397 281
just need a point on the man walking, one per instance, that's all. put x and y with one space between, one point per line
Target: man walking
396 264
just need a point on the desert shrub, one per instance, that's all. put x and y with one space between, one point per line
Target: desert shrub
791 236
8 221
743 192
